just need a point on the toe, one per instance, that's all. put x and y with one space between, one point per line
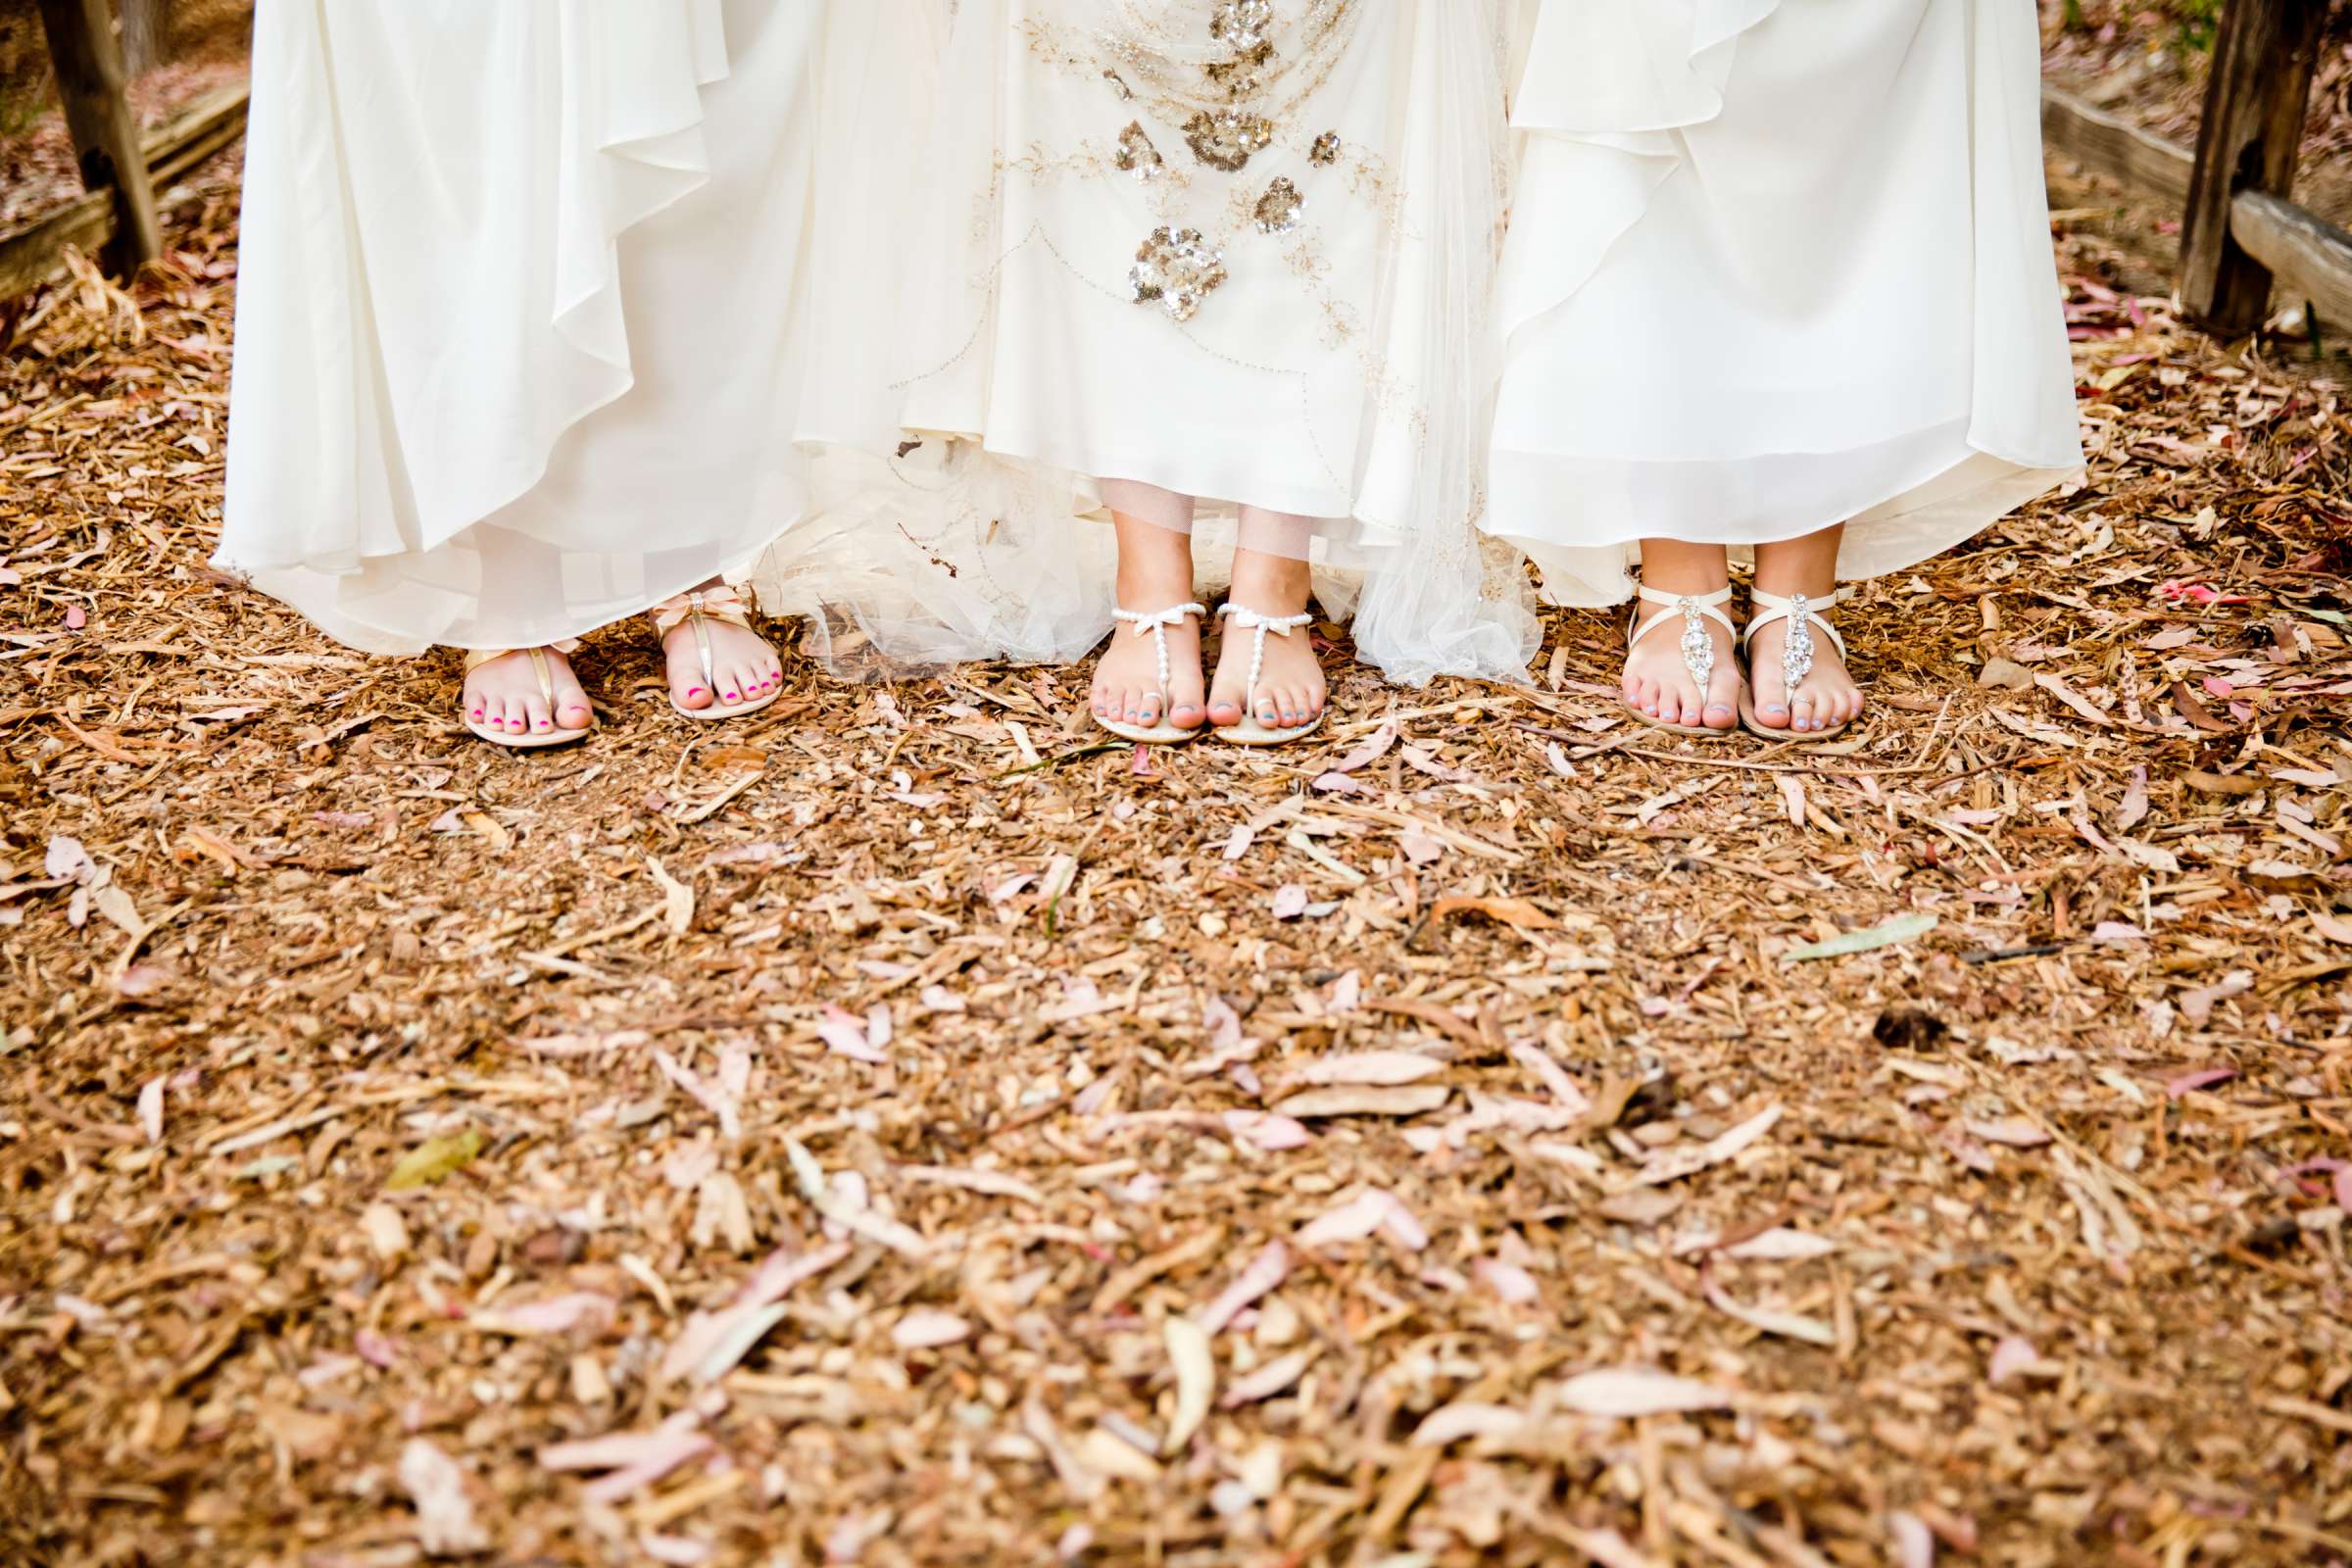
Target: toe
537 718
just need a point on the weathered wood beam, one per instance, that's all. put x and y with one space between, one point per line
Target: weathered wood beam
2255 99
2106 144
88 60
33 252
2309 258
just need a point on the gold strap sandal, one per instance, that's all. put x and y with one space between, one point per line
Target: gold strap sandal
1699 648
554 734
697 610
1797 654
1250 731
1156 622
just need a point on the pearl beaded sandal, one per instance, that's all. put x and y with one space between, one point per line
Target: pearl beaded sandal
1699 648
697 610
1156 622
1802 615
1249 732
522 740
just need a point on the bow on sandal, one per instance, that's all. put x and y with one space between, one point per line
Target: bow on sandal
1699 648
1157 622
1249 732
555 734
1796 656
697 610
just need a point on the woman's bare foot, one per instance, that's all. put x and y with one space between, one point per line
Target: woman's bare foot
504 695
1290 689
1657 680
743 667
1826 697
1155 574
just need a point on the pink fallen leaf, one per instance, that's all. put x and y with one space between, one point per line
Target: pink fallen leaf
1263 1129
618 1451
2013 1132
1371 1067
1360 1217
2344 1187
675 1552
847 1036
1625 1392
1509 1282
1340 784
1421 847
2202 1078
711 1343
847 1540
716 1098
1290 901
1368 751
2012 1356
151 1109
445 1523
374 1348
1268 1380
1263 1273
928 1328
657 1461
1914 1542
1466 1418
76 617
558 1314
1553 1076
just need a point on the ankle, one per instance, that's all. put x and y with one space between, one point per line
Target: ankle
1271 586
1158 568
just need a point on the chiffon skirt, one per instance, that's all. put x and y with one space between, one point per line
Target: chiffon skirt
525 305
1102 303
1776 265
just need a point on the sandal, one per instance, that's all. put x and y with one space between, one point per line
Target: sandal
1797 654
476 658
697 610
1698 649
1249 732
1157 622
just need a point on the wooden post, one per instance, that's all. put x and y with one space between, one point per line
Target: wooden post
89 78
2254 105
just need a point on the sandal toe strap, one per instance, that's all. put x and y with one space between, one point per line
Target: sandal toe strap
1802 612
1157 623
1694 610
476 658
698 609
1251 620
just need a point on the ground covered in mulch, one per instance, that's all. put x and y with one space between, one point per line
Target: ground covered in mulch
898 1129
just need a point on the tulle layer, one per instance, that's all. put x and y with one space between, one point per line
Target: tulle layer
512 303
1776 265
1324 380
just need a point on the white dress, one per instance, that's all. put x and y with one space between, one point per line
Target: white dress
1776 265
524 303
1225 261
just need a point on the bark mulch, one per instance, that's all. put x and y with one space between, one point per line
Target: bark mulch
900 1129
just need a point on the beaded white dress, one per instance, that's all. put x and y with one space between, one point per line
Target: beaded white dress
526 299
1776 265
1225 261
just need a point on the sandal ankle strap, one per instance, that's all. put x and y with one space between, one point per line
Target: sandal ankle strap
1157 623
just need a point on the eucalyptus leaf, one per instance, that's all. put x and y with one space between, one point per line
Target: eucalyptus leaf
1903 928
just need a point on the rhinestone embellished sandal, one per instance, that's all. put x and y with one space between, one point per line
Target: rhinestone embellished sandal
1694 611
1156 622
1796 653
697 610
1249 732
557 734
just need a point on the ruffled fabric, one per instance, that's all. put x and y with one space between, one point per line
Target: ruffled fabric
511 361
1775 264
1324 384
